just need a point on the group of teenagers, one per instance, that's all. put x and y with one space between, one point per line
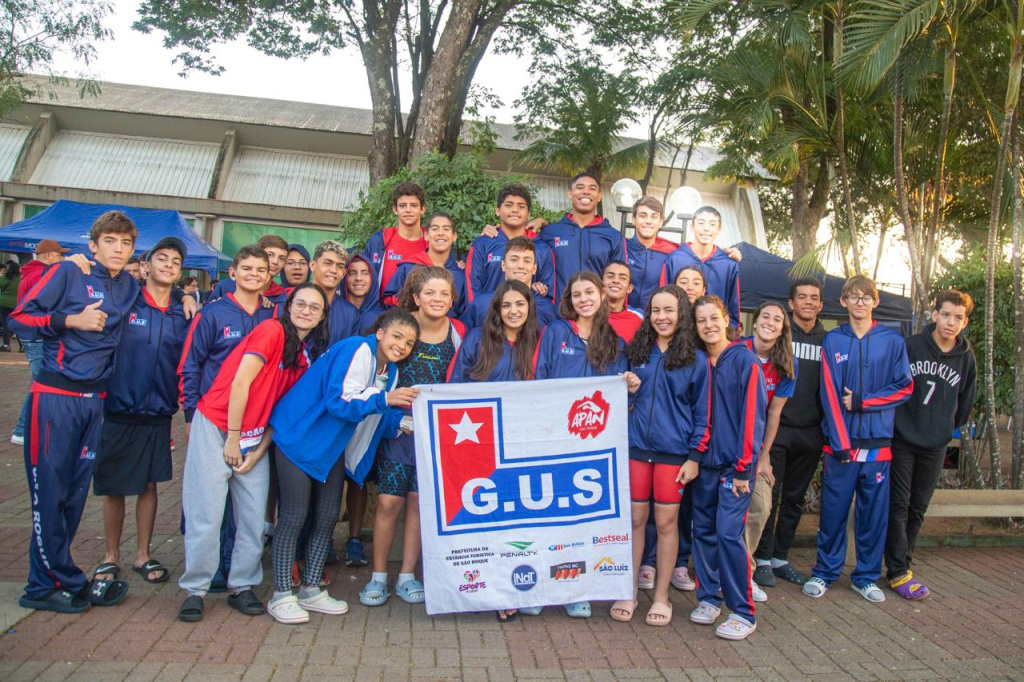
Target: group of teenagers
292 389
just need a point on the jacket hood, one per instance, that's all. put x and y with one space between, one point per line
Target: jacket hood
661 245
738 346
717 254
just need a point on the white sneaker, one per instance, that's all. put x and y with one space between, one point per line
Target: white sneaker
705 614
287 610
17 440
871 592
324 603
735 628
815 587
757 594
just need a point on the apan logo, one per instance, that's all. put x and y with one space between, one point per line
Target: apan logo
93 293
840 357
479 487
137 321
588 416
229 334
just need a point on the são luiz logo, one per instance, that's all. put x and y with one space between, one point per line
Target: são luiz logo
478 487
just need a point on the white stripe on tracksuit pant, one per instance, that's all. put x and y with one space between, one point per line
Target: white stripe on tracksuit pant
205 487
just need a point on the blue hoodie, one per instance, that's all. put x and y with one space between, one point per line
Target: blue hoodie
875 368
576 248
468 354
562 354
721 276
645 266
216 330
337 408
739 409
668 417
145 378
342 318
305 254
74 360
370 308
476 312
483 264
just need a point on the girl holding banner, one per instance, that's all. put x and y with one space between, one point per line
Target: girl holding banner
668 422
726 470
582 344
502 349
346 403
428 294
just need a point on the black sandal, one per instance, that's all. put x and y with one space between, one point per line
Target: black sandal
107 592
58 601
108 567
191 610
246 602
149 567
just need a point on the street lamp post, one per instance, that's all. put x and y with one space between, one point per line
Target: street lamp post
684 202
625 193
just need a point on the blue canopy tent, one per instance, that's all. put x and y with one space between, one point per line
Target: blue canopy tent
765 277
68 223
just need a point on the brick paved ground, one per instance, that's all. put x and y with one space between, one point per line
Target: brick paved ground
969 629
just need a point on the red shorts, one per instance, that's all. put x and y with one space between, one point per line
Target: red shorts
646 478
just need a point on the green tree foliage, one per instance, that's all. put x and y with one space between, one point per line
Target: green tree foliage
34 32
461 186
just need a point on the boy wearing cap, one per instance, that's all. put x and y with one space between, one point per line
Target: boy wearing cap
79 318
135 445
47 253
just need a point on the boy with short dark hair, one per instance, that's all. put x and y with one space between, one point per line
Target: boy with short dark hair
386 249
276 249
618 286
79 318
441 237
945 382
518 263
865 375
721 273
646 252
582 239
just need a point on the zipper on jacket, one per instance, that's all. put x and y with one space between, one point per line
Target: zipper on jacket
650 416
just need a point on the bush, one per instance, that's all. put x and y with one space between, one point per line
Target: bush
461 186
968 275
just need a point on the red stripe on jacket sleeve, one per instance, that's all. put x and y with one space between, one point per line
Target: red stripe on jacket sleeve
706 438
184 356
882 400
28 319
749 420
469 276
833 406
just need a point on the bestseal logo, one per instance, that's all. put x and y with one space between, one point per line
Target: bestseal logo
522 550
231 334
93 293
571 545
472 581
569 571
610 540
136 320
606 566
524 578
478 487
588 416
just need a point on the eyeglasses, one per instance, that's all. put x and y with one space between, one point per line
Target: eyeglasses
314 308
293 263
860 300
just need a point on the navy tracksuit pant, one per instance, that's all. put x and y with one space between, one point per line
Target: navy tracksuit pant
61 441
719 551
650 557
839 482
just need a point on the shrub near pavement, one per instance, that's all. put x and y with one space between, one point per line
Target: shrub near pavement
462 186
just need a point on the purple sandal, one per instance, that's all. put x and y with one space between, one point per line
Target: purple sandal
909 588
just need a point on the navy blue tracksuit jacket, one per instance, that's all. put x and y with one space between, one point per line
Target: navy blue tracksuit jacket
576 248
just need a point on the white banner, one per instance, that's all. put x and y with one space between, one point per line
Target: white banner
524 493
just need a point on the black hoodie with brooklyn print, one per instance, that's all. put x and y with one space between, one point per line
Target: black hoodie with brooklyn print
944 389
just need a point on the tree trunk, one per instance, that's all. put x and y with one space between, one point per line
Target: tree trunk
902 201
377 51
939 198
844 174
803 239
992 250
1017 441
440 90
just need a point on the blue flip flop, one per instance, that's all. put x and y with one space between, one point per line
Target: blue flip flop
374 594
411 592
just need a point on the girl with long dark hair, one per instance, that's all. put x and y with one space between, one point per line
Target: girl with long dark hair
724 474
668 421
691 280
227 446
502 349
772 343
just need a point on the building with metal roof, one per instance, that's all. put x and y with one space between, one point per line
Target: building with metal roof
237 167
